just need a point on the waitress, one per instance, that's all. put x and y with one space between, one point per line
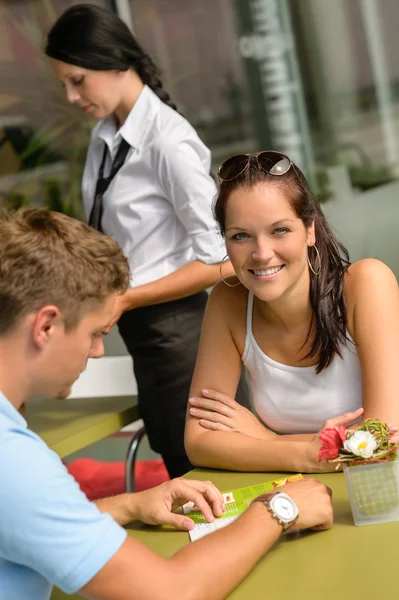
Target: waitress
146 182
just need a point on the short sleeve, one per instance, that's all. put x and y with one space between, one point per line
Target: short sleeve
47 523
184 164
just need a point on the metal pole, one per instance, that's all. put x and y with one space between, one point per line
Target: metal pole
124 11
372 25
131 457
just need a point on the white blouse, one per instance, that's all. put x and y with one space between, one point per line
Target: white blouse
159 205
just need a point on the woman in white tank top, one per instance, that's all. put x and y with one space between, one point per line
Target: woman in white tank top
319 337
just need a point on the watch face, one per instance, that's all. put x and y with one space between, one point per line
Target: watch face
284 508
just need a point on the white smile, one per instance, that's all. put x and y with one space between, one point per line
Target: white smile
268 272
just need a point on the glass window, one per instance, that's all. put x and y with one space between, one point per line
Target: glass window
195 45
347 53
313 78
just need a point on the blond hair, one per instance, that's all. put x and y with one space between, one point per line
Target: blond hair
49 258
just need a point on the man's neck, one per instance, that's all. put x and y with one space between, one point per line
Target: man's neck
13 377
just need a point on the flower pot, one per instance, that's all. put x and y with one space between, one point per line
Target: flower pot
373 492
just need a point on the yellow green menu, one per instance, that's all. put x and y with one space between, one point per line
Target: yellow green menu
236 501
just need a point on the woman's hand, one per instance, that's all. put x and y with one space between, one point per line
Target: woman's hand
316 466
313 463
119 308
218 412
393 430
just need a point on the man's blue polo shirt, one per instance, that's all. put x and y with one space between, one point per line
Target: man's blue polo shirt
50 534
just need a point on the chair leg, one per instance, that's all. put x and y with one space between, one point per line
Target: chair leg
131 457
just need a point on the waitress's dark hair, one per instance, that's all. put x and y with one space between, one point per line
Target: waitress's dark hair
326 289
94 38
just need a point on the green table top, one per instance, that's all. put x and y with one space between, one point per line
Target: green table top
70 425
345 561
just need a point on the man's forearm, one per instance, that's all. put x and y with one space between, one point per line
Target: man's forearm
122 508
214 565
206 570
239 452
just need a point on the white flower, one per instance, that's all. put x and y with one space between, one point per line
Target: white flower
361 443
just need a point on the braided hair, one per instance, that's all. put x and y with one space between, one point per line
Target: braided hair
93 38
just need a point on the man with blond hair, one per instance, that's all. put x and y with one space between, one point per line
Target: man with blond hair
59 280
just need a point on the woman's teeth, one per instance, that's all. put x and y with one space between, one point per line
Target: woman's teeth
266 272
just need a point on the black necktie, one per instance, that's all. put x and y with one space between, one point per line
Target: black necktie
103 182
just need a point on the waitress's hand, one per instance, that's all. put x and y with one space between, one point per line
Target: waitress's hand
120 307
218 412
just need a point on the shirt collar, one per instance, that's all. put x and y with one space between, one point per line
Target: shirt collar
136 125
10 412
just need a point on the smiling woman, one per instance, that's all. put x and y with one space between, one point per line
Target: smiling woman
275 253
317 335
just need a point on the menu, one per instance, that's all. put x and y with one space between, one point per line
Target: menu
236 501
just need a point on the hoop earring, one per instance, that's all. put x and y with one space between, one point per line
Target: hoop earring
221 275
318 258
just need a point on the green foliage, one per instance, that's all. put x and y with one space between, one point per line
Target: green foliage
52 153
322 192
366 177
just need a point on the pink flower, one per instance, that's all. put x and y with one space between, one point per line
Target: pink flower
331 440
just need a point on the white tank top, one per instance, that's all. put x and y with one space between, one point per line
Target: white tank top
295 399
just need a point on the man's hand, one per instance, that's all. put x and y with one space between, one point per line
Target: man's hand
157 505
313 500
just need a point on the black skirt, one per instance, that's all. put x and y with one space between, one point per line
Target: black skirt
163 342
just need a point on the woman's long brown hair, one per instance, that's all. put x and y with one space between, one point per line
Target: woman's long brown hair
329 318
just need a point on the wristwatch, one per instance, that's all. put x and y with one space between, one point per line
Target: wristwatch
282 507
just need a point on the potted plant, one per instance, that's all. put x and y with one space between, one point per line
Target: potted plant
370 466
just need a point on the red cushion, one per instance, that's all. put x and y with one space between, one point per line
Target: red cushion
101 479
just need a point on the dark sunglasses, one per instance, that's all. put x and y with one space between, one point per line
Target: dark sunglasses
270 161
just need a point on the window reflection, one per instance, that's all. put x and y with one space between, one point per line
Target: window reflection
223 62
195 46
43 139
231 66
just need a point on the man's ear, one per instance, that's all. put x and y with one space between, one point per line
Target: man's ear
311 235
47 318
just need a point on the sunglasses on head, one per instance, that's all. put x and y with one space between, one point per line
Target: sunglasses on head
270 161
